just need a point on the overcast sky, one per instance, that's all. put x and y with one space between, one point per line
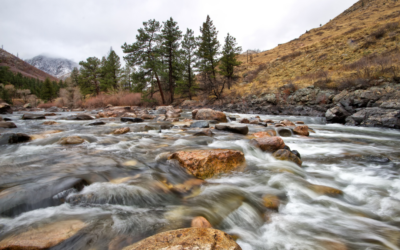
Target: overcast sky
78 29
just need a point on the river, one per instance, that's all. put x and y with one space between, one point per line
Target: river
120 185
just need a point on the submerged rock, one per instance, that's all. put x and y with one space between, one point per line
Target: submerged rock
50 123
271 202
43 237
33 117
79 117
7 125
96 123
301 130
286 155
288 123
324 190
14 138
268 144
120 131
187 238
209 114
71 140
204 132
239 129
285 132
131 119
207 163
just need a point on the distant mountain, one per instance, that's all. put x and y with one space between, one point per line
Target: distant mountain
58 67
17 65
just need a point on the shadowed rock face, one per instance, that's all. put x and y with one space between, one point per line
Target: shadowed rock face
207 163
188 238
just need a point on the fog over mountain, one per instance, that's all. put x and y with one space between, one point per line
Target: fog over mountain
58 67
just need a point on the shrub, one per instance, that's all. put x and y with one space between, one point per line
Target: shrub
47 105
120 99
291 55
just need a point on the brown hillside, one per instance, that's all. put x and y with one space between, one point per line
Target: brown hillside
329 54
17 65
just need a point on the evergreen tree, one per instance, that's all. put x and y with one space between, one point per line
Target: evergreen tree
208 51
228 61
145 55
75 76
187 84
47 90
170 37
89 77
111 71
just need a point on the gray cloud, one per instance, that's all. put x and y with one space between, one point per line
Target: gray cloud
77 29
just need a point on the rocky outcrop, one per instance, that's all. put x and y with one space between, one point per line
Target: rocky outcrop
207 163
239 129
5 108
187 238
268 144
337 114
43 237
375 117
209 114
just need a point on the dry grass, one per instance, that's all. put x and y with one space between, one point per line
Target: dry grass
120 99
47 105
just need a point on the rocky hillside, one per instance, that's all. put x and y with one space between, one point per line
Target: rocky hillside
58 67
17 65
356 44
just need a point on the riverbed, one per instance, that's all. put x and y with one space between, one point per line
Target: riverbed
124 189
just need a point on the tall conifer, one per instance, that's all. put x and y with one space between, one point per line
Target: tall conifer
89 77
228 61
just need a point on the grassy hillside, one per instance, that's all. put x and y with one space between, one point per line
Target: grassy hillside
360 44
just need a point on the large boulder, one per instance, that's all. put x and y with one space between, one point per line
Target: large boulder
301 130
336 114
14 138
207 163
5 108
209 114
268 144
7 125
239 129
33 117
187 238
286 155
79 117
43 237
131 119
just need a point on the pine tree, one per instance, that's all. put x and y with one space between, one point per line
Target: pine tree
170 37
111 71
75 76
187 85
228 61
47 90
145 55
208 51
89 77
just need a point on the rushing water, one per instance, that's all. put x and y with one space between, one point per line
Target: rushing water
120 186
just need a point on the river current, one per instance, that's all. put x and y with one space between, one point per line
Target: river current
120 186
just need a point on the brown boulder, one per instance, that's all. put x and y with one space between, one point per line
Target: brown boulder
301 130
207 163
299 122
268 144
7 125
324 190
43 237
271 201
286 155
5 108
209 114
244 120
71 140
200 222
287 123
148 117
120 131
187 238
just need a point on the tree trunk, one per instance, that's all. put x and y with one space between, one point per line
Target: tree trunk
159 86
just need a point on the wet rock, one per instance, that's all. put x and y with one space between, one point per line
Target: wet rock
148 117
33 117
209 114
336 114
324 190
79 117
14 138
299 122
187 186
284 132
200 222
204 132
271 202
44 134
232 118
43 237
52 109
121 131
255 121
375 117
262 134
288 123
172 120
296 153
27 106
50 114
301 130
71 140
187 238
7 125
286 155
268 144
5 108
279 125
263 124
239 129
244 120
131 119
164 109
50 123
172 114
96 123
200 124
206 163
194 112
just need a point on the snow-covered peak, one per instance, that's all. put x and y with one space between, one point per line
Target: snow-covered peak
58 67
